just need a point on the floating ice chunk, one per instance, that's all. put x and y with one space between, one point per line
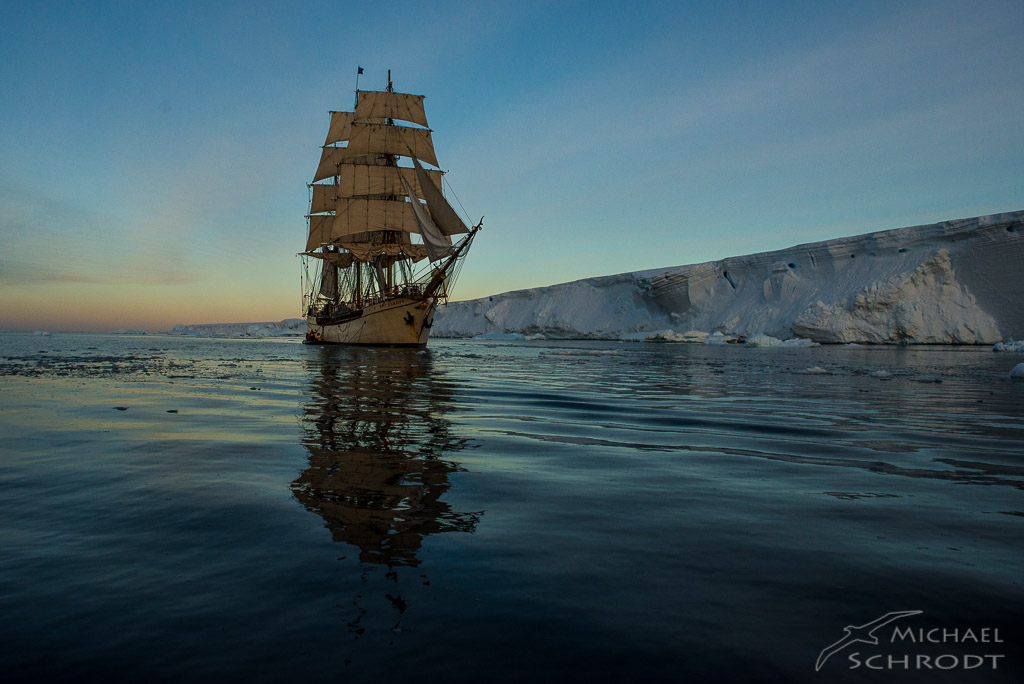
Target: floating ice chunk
882 374
494 335
42 333
814 370
769 341
1017 372
719 338
1009 346
693 336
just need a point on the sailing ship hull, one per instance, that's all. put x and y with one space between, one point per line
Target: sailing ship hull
399 322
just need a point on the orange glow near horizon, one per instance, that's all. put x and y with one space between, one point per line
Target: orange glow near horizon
103 308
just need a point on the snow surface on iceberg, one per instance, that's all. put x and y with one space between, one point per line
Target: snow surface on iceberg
956 282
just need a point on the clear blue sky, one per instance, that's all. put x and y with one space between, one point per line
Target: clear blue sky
156 155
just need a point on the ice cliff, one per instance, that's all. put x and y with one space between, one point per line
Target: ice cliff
956 282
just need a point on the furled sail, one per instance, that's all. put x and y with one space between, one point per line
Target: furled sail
444 216
359 251
368 138
438 246
362 251
379 104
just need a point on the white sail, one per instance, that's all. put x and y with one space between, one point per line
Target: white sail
368 138
361 215
359 180
442 213
438 246
319 231
324 197
378 104
332 160
340 127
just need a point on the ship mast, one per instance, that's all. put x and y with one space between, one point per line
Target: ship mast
391 237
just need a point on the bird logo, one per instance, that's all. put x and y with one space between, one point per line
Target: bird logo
864 633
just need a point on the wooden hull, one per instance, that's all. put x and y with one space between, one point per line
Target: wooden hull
401 322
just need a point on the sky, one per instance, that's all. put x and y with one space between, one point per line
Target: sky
155 156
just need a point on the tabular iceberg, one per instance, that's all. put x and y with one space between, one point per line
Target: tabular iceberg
956 282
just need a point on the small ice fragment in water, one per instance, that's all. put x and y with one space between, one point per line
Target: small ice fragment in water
883 374
815 370
1017 372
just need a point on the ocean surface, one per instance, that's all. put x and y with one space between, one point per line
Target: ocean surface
181 509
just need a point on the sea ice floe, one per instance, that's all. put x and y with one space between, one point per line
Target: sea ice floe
769 341
883 374
814 370
1017 372
673 336
1009 346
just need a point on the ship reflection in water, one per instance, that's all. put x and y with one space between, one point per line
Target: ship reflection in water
379 451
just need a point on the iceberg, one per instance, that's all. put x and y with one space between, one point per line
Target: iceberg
955 282
287 327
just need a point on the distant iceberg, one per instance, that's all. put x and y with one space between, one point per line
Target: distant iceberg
286 328
956 282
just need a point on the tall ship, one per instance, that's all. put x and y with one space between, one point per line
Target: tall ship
384 246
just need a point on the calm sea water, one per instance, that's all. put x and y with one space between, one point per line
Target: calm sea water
258 510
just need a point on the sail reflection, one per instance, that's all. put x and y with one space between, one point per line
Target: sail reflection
379 446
